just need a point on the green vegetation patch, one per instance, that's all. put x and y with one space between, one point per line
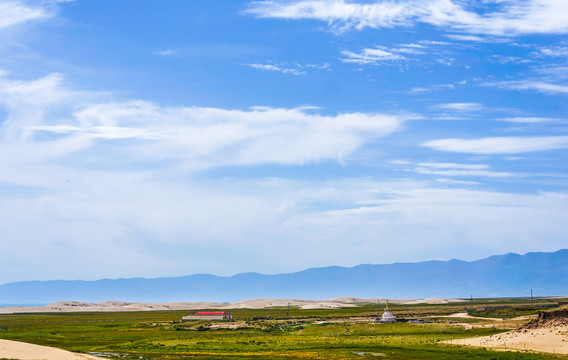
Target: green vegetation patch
256 334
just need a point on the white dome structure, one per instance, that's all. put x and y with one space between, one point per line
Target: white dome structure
387 316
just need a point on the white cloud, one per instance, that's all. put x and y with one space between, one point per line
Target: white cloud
271 67
418 90
459 107
408 50
433 42
16 12
539 86
555 72
555 51
454 166
511 59
458 182
155 227
382 53
122 176
167 52
467 38
203 137
479 219
341 14
460 172
499 145
453 169
417 46
508 18
445 61
370 56
533 120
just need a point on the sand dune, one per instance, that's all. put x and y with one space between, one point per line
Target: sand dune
553 340
548 332
76 306
24 351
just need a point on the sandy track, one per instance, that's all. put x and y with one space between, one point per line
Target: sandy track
24 351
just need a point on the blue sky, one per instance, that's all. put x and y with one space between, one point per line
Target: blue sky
165 138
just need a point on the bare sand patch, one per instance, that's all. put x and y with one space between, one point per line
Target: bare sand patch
548 332
552 340
24 351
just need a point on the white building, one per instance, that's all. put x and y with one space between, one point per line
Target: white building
387 317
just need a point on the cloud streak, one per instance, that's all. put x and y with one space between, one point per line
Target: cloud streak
540 86
271 67
459 107
370 56
456 170
499 145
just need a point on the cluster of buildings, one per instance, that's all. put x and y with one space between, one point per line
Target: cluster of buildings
386 317
208 316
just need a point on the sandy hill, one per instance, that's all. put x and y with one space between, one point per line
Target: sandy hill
547 333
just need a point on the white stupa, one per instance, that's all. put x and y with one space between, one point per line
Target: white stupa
387 317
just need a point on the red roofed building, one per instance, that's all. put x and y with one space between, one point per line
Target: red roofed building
209 316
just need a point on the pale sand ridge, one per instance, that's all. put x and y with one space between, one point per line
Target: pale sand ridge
552 340
548 332
24 351
341 302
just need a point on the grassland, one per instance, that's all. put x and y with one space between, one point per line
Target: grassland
269 334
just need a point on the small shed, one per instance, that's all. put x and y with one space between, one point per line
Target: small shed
208 316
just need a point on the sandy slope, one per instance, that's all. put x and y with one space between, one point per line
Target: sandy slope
24 351
552 339
73 306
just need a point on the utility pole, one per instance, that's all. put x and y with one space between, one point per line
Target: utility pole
532 302
288 311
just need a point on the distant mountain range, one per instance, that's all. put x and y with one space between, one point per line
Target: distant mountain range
495 276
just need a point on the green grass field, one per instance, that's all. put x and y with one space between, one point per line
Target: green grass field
261 334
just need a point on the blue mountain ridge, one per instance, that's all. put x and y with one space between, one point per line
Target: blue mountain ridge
496 276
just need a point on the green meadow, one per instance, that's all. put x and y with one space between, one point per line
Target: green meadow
347 333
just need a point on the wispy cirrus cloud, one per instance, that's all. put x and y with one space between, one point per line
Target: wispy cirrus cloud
204 137
458 182
418 90
451 169
555 72
271 67
507 18
499 145
16 12
292 69
454 169
533 120
381 54
459 107
371 56
167 52
553 51
530 85
477 38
